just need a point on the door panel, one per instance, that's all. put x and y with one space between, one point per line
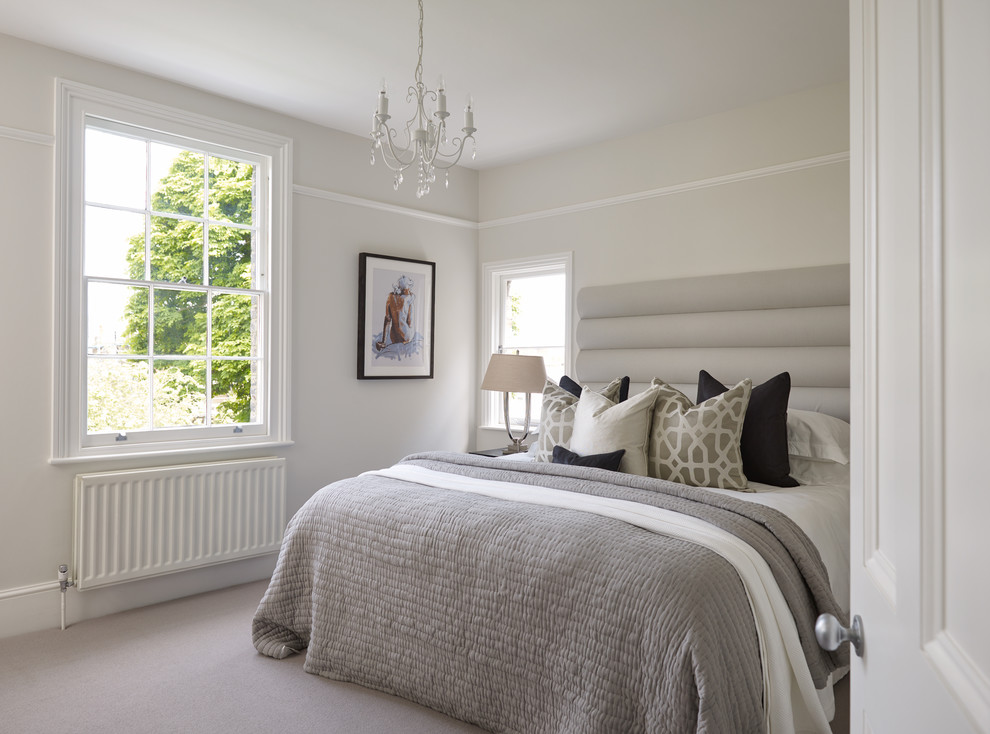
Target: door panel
920 268
955 629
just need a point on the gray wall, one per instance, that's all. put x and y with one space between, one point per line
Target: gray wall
755 188
340 425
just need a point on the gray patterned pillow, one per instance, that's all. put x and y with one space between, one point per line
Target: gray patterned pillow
557 421
698 445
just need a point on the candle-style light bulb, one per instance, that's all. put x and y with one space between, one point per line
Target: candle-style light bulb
441 95
383 98
469 113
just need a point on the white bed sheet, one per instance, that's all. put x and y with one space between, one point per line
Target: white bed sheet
822 512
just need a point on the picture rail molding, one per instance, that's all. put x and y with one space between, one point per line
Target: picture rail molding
26 136
704 183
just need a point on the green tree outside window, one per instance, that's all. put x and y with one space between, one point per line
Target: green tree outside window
180 316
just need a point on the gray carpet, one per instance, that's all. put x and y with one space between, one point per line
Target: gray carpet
185 666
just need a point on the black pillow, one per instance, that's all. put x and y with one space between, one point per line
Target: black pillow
764 436
608 461
566 383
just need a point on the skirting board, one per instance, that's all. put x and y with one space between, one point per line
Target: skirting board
37 607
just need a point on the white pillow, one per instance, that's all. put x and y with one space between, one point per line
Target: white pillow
601 426
819 471
557 420
816 435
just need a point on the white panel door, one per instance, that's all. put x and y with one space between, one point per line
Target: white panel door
920 257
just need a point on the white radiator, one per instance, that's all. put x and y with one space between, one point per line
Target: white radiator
148 522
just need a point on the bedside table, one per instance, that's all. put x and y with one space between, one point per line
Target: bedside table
487 452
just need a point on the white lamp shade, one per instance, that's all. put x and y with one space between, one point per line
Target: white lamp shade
515 373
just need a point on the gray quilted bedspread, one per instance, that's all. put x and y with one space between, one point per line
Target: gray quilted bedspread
526 618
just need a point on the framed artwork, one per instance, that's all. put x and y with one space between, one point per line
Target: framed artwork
396 314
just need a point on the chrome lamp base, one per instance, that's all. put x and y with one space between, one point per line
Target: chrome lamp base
516 447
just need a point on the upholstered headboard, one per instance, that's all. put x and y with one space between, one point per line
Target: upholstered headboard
752 325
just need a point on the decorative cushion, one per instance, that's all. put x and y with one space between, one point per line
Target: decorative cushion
608 461
602 425
817 436
557 420
575 389
764 436
699 444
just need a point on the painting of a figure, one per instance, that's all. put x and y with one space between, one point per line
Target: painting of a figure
395 317
398 328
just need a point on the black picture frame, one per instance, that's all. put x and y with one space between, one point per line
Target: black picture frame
396 317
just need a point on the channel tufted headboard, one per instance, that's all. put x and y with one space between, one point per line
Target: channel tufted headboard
752 325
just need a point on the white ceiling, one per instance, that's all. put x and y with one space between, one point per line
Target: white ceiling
546 75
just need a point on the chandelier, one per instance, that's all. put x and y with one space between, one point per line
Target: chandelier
426 145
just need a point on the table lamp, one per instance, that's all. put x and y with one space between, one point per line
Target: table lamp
508 373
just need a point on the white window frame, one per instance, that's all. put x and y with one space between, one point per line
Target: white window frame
78 105
493 277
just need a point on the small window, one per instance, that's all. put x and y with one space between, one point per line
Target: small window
527 312
168 254
534 318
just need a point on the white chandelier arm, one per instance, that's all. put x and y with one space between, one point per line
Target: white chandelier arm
392 155
414 93
442 160
399 153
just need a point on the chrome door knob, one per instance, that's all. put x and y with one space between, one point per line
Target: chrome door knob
830 633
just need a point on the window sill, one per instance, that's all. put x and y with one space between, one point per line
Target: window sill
183 451
534 430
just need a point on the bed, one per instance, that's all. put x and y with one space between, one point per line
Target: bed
535 596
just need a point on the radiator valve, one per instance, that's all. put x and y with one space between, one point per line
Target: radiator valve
63 577
63 584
